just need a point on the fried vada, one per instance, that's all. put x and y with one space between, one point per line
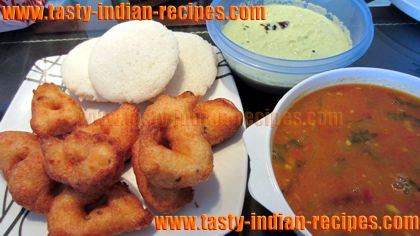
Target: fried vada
221 119
21 162
173 152
116 212
165 201
54 112
88 163
121 124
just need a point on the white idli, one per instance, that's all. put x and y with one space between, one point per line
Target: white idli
74 71
197 67
133 61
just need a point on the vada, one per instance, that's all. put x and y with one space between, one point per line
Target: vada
172 150
221 119
165 201
54 112
116 212
121 125
21 162
88 163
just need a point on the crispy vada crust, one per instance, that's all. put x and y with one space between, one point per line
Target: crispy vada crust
21 161
221 119
54 112
116 212
16 146
173 153
121 125
88 163
162 200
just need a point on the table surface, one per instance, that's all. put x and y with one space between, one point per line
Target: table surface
396 46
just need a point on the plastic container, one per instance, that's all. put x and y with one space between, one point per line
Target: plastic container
271 73
258 138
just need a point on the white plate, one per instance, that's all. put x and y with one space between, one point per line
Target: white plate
222 194
409 7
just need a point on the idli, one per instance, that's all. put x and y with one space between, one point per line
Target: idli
74 71
133 61
197 67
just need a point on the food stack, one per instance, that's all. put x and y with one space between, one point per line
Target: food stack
71 170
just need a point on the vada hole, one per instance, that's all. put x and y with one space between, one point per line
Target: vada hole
55 106
164 141
55 189
40 98
101 202
20 156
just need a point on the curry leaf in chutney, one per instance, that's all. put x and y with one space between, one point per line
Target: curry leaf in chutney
361 136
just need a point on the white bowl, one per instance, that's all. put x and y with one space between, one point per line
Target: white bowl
262 183
409 7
